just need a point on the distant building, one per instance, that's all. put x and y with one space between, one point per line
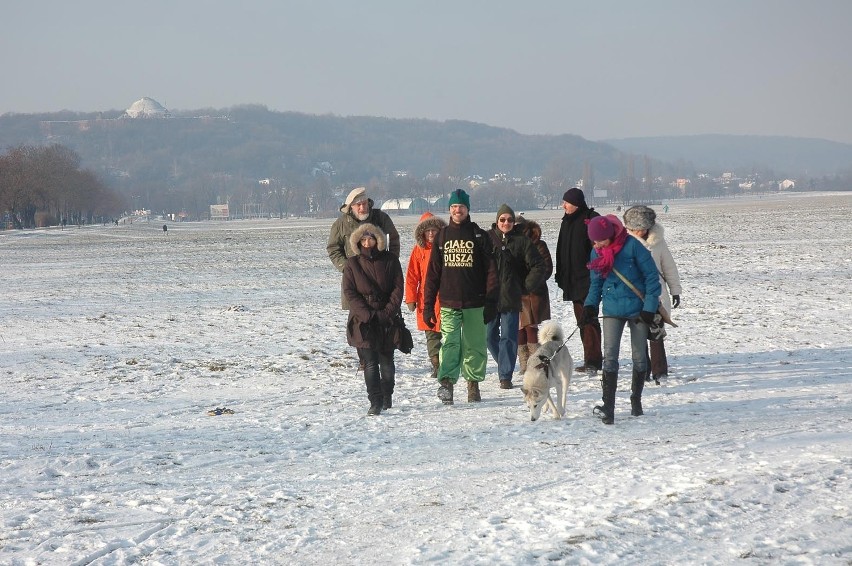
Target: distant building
405 205
147 108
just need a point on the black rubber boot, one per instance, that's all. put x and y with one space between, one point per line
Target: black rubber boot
375 407
374 390
636 393
387 392
606 411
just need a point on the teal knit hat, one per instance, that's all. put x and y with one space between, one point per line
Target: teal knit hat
458 196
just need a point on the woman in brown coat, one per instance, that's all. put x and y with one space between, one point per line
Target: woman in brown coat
373 287
535 306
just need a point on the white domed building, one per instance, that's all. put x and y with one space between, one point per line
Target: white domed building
147 108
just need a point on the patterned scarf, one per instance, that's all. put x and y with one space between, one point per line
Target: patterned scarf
606 255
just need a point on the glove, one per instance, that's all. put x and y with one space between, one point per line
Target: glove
384 318
590 313
429 317
489 313
647 317
675 301
411 306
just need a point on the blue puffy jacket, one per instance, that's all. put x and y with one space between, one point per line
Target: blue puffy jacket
635 263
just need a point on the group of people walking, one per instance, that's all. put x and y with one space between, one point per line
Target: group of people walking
478 291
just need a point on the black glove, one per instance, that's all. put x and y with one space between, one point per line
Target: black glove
647 317
429 317
675 301
489 313
384 318
590 314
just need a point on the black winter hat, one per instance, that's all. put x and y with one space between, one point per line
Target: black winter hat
575 196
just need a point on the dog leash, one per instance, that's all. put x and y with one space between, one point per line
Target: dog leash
545 363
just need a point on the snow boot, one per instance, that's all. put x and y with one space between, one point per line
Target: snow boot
506 384
374 391
524 352
435 361
606 412
387 393
375 408
473 395
445 392
636 393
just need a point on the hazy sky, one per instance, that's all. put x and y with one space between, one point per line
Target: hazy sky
598 69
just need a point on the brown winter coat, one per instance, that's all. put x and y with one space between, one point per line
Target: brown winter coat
535 306
373 287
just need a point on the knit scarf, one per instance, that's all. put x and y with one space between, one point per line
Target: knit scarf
606 255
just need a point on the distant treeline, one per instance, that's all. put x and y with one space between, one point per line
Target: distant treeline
45 186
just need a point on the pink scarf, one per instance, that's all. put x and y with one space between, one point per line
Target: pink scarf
606 254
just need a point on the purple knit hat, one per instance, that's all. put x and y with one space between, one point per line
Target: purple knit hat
600 229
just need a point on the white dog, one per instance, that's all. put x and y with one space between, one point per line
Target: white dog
550 366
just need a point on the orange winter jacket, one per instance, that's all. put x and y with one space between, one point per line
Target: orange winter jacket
415 277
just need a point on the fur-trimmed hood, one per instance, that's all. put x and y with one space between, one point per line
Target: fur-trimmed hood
355 238
427 221
531 228
656 234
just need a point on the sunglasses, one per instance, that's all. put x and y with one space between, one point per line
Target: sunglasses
506 220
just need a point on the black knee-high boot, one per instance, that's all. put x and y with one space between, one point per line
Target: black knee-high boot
636 393
606 412
374 389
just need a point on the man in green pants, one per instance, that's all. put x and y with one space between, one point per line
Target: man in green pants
463 273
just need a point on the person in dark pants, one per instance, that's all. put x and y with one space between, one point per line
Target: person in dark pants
572 276
373 289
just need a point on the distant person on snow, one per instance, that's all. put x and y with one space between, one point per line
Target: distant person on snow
641 223
356 211
415 279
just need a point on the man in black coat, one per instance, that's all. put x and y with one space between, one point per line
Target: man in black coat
573 249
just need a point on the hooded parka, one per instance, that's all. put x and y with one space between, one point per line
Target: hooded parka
418 263
373 287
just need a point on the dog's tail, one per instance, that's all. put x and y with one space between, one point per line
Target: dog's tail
550 331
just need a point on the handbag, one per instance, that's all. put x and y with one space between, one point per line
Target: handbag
656 330
402 335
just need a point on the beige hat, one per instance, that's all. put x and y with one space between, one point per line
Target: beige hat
355 195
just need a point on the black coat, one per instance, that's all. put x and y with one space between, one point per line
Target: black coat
573 249
520 268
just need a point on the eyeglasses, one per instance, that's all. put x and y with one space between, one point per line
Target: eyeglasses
506 220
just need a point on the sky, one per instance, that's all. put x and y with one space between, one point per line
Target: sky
597 69
124 337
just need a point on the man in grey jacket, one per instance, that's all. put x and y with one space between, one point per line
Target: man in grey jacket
355 211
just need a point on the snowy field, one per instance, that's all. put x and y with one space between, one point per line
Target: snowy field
116 340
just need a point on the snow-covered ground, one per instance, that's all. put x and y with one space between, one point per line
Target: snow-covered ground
115 342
